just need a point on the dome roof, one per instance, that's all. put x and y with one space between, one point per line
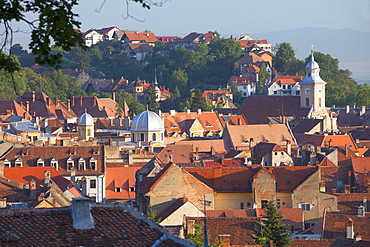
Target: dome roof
85 119
147 121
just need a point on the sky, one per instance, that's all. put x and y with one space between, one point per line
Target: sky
180 17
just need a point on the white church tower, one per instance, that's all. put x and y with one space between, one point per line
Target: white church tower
313 90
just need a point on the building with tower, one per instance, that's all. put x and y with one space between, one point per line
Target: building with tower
313 90
310 104
147 129
85 126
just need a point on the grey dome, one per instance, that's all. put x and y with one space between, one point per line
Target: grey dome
147 121
85 119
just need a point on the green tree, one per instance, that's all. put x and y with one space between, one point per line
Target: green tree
272 227
56 24
237 95
198 237
263 78
134 106
198 102
283 57
151 98
82 59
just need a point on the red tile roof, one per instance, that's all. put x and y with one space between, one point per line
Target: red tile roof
225 179
123 178
335 225
239 229
114 225
361 167
257 109
147 37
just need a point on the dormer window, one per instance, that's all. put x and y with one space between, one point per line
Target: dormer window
40 162
81 164
7 163
18 163
93 164
209 125
70 164
54 163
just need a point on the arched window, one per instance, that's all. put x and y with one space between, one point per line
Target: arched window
154 138
142 138
307 102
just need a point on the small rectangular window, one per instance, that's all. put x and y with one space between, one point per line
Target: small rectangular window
117 190
241 205
92 184
306 207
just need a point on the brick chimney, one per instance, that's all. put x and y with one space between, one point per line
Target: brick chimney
322 187
350 232
27 106
32 189
190 226
225 240
81 100
364 203
47 179
68 105
347 188
81 214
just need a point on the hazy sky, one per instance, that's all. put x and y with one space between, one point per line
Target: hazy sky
179 17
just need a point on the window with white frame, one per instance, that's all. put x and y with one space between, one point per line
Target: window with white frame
93 163
40 162
305 206
54 163
70 164
81 164
7 163
18 163
92 183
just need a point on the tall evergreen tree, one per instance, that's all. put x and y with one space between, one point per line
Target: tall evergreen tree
272 227
151 98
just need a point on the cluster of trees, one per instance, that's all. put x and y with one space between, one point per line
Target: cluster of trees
341 89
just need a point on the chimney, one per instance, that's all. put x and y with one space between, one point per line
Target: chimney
110 141
48 101
239 121
81 214
9 239
73 100
68 105
322 187
73 175
347 188
224 239
190 226
360 211
350 231
114 96
364 203
188 111
347 108
47 179
172 112
56 102
27 106
33 96
200 111
81 100
363 110
32 189
288 147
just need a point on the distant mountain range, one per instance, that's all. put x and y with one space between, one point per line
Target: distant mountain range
350 47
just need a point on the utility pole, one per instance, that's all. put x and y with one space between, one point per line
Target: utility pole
205 229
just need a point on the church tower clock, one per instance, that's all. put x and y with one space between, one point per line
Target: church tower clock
313 89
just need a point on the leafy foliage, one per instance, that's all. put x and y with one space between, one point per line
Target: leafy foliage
198 237
151 98
56 25
272 227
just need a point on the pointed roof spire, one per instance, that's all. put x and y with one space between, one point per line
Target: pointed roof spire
155 76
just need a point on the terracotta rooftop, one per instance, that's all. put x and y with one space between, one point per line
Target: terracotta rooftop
257 109
112 225
335 225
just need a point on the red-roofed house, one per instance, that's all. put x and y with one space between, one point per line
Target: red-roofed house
245 84
285 85
361 169
136 37
139 51
120 183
